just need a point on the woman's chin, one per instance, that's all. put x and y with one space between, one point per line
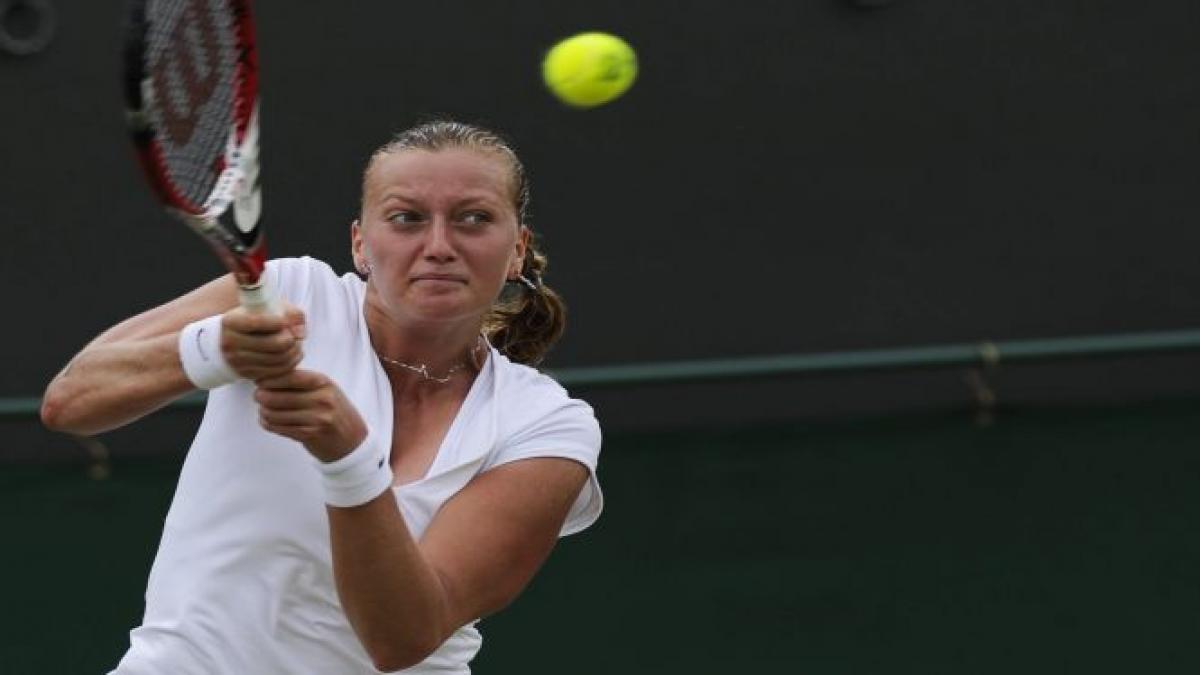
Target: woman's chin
444 309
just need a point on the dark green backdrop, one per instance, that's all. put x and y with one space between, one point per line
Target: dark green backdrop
1058 541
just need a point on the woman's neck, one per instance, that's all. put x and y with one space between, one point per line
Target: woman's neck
425 351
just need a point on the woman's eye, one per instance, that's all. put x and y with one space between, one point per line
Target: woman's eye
477 217
404 217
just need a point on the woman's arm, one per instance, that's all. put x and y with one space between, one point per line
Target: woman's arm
405 598
133 368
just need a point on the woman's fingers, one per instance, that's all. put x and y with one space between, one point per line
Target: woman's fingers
293 417
299 433
262 345
294 380
241 320
309 407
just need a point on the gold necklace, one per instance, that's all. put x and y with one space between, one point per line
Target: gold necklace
423 369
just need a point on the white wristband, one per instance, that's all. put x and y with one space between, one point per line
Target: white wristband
358 477
200 354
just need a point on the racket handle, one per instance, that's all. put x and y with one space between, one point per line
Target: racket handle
260 298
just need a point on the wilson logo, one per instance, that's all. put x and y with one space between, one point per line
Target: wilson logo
193 57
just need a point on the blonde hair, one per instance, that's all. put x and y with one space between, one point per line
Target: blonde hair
524 323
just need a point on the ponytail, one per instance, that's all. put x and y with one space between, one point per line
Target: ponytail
529 317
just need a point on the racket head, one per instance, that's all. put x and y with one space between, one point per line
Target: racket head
191 96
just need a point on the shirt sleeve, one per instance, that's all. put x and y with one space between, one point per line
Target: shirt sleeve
291 278
568 430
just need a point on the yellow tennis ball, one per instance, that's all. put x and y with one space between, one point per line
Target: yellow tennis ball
590 69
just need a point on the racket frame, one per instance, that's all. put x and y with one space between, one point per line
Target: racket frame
242 250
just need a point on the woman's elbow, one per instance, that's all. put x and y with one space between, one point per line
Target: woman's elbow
53 411
399 655
58 414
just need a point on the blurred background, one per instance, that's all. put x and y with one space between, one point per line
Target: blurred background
889 311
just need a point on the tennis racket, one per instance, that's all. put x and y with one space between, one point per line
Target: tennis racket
191 95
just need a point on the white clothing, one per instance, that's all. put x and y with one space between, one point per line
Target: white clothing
243 580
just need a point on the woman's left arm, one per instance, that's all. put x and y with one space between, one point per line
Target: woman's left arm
405 597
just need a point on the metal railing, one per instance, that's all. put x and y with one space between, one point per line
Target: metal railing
986 354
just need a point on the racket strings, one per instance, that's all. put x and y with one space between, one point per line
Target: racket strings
192 59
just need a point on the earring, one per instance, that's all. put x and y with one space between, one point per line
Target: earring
528 284
365 269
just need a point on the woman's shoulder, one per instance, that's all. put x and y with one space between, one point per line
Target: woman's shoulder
300 268
302 279
537 418
531 401
519 381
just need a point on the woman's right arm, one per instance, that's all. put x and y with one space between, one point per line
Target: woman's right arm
133 368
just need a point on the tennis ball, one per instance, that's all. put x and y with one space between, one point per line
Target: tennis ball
589 69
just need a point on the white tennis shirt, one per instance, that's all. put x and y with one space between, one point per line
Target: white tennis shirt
243 580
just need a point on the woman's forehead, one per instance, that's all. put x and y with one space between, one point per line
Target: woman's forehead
448 170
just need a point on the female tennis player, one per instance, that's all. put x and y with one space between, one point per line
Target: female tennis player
377 468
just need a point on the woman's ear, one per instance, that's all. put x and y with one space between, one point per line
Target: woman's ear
358 249
523 238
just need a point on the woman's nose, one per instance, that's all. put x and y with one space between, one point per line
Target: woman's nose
439 243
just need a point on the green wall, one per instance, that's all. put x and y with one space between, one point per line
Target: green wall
1050 541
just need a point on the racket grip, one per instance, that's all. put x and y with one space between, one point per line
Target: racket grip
261 298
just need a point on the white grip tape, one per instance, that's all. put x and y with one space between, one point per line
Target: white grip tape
200 354
359 477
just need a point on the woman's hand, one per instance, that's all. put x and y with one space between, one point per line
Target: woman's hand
258 346
309 407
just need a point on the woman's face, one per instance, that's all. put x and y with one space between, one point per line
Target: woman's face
439 231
